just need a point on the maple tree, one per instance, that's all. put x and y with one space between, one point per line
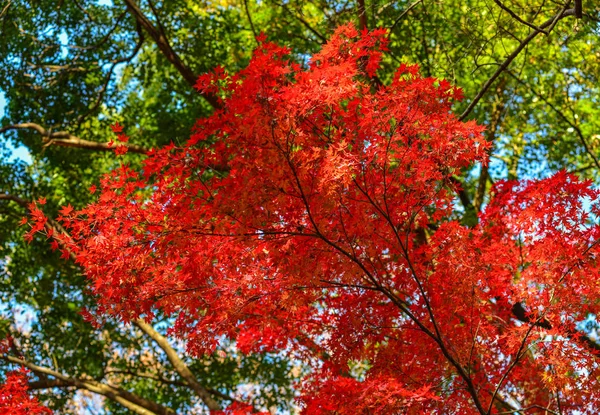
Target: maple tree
313 214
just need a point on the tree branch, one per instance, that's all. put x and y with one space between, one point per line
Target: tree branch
5 9
160 379
582 138
129 400
322 38
518 311
65 139
163 44
109 76
404 12
250 19
578 9
462 194
178 364
516 17
497 115
362 15
16 199
550 23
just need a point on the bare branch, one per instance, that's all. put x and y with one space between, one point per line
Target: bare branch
49 384
161 379
5 9
461 192
22 202
88 14
65 139
134 403
178 364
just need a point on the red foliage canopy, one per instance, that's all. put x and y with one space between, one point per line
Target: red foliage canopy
312 215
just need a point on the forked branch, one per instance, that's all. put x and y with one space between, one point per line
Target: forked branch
131 401
548 25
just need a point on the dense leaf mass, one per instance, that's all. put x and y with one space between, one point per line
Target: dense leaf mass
312 214
14 399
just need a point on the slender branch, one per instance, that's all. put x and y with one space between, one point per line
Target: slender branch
109 76
156 378
314 31
520 353
49 384
250 19
516 17
582 138
5 9
22 202
497 115
155 13
161 379
163 44
134 403
404 13
550 23
178 364
65 139
88 14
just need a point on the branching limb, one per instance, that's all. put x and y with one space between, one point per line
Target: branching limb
134 403
550 23
516 17
65 139
5 9
165 47
518 312
462 194
178 364
578 9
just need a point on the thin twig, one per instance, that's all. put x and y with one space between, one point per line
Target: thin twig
547 24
